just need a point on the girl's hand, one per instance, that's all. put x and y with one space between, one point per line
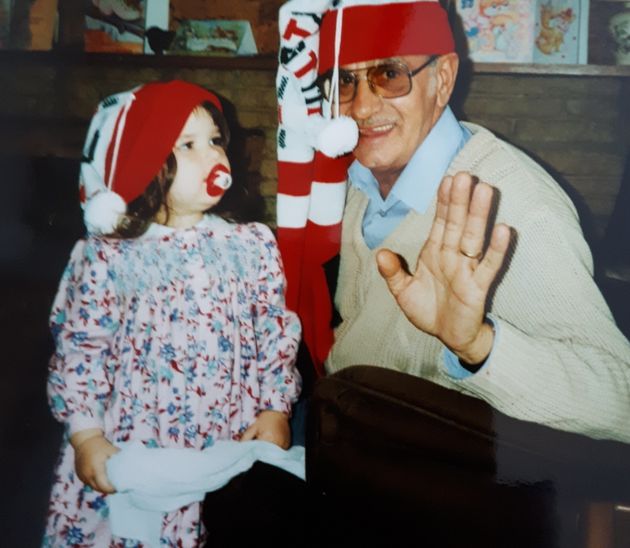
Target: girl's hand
91 451
270 426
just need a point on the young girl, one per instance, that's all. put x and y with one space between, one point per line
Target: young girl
170 324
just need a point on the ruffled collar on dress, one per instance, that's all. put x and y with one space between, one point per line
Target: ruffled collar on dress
158 230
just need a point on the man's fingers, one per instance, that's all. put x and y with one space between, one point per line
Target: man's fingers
473 235
457 214
391 268
439 222
488 268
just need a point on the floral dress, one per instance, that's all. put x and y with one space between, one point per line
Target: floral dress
175 339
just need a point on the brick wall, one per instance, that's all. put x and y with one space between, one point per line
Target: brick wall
576 126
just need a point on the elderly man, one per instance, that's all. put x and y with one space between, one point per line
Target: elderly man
498 299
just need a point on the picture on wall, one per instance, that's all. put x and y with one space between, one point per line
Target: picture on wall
214 37
526 31
498 30
561 31
115 26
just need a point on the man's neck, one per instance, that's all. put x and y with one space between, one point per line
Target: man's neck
386 182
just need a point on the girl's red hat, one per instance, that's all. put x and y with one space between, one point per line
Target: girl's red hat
129 139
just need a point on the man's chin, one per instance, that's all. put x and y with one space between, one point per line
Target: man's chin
371 157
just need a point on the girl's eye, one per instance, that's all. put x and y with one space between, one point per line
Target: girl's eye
187 145
216 141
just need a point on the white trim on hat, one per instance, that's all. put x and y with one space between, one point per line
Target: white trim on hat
327 203
118 137
292 211
103 208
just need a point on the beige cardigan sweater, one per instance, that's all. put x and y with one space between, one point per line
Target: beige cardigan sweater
559 358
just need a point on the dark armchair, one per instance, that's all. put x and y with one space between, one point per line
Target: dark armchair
397 460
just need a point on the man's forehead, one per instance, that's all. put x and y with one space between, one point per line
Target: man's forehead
408 60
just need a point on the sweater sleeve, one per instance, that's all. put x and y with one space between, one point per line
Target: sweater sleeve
83 321
277 331
560 359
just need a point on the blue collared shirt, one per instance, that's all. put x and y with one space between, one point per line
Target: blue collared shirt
417 184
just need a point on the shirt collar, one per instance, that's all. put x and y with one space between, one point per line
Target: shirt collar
156 229
417 184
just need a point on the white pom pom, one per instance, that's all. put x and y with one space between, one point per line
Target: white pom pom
337 136
103 211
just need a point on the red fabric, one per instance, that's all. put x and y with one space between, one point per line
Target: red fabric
383 31
321 243
295 178
291 244
331 170
305 251
153 123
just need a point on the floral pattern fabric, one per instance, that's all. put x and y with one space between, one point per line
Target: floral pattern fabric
175 339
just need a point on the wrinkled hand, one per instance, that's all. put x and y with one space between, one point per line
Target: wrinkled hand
91 451
270 426
446 296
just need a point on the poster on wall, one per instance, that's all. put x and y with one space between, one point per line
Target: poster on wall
525 31
214 37
561 32
115 26
498 31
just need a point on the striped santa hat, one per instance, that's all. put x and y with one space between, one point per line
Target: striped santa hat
129 139
314 143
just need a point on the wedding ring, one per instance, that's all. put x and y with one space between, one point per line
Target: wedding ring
471 255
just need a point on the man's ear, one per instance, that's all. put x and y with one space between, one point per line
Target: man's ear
447 66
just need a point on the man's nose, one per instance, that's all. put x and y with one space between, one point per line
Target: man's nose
365 101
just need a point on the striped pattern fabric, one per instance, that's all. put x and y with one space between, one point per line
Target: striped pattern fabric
311 185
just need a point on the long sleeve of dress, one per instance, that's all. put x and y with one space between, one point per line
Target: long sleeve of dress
277 332
83 321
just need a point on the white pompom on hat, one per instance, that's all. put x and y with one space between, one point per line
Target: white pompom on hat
129 139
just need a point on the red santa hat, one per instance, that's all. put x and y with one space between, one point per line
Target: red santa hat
374 29
313 150
129 139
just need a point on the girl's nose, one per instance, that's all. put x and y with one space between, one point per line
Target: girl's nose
214 153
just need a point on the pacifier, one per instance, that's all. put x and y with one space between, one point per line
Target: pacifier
219 180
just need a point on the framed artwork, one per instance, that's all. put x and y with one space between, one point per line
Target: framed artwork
214 37
115 26
526 31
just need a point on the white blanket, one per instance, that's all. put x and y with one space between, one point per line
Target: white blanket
150 482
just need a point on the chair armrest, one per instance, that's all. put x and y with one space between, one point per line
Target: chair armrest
382 433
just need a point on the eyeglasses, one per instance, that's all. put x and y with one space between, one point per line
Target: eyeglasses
387 80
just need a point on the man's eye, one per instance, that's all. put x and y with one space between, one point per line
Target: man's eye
389 73
346 79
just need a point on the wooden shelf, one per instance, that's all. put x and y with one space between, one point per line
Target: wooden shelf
269 62
74 58
617 71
